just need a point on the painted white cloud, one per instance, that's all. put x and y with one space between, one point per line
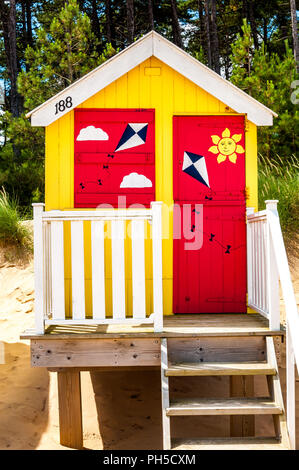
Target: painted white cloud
134 180
92 133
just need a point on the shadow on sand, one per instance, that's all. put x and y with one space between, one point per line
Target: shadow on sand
23 399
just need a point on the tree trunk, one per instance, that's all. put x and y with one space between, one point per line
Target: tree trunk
95 24
208 38
214 35
265 29
29 22
244 9
151 14
295 32
8 20
201 24
130 20
177 36
253 24
108 20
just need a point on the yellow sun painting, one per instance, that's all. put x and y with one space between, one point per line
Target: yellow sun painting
227 146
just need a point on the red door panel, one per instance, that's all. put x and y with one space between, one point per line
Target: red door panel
114 156
212 278
194 135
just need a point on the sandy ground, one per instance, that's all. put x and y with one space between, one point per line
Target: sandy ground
121 410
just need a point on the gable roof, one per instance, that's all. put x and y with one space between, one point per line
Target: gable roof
153 44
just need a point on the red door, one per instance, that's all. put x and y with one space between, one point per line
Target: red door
209 192
114 156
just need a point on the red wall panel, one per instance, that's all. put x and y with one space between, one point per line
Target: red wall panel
114 156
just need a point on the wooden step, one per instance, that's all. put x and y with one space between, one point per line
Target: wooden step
225 406
254 443
219 368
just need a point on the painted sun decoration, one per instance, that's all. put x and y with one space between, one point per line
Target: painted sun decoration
227 146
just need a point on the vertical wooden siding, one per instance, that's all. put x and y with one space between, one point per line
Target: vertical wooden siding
170 94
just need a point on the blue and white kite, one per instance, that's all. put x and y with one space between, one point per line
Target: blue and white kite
195 166
134 135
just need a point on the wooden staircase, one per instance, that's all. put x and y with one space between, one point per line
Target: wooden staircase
197 364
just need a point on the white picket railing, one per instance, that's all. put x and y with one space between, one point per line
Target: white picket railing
49 266
267 264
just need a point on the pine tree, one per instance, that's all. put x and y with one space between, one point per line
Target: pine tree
268 78
64 51
62 54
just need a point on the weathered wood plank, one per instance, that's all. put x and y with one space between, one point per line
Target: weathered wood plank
226 406
280 424
218 368
90 353
70 411
216 349
242 426
188 326
257 443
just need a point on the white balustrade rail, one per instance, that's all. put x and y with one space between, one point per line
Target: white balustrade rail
267 264
49 266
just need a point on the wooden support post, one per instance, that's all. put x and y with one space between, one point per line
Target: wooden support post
70 411
242 386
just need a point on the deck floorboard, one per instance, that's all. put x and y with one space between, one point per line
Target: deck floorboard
174 326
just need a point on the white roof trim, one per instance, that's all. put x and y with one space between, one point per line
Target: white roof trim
152 44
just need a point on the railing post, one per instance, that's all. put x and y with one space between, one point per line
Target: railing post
157 265
290 389
272 273
38 209
249 210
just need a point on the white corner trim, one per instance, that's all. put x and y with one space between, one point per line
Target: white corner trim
152 44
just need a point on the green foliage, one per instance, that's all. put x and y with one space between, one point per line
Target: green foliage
268 78
22 171
62 54
12 226
279 179
64 50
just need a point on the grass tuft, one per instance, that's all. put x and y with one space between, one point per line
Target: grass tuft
13 229
279 179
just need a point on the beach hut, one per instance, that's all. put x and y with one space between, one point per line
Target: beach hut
144 254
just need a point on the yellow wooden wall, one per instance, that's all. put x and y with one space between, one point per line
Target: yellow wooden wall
150 85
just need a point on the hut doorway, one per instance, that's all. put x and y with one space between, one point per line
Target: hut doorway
209 216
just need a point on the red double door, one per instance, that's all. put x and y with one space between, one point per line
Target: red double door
209 216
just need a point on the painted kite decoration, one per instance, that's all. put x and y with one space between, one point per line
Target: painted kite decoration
195 166
134 135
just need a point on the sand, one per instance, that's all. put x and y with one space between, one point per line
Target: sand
121 410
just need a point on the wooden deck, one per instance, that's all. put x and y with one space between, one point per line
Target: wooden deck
174 326
226 342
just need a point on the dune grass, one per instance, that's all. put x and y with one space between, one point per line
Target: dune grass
13 230
279 179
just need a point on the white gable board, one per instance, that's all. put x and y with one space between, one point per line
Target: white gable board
150 45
